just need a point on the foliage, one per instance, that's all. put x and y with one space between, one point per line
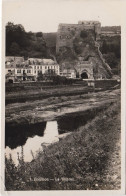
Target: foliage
111 59
14 48
111 49
39 34
59 80
113 46
72 158
22 43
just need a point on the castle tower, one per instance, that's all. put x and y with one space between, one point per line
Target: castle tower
67 32
82 39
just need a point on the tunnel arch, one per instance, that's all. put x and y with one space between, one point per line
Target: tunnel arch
84 75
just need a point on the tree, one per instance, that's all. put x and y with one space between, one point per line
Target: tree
104 48
39 34
27 43
15 33
15 49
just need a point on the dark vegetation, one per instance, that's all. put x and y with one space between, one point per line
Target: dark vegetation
84 157
111 50
22 43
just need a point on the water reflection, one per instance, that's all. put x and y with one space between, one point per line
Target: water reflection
17 135
70 122
31 137
34 144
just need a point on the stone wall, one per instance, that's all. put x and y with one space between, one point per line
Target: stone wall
82 40
85 66
67 32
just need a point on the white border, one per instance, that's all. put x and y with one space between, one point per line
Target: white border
123 120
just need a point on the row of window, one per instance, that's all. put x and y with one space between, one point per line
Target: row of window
19 71
28 71
46 67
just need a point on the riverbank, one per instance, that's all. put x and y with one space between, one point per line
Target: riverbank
88 159
32 112
21 93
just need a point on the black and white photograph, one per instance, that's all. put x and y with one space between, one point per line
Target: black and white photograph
62 73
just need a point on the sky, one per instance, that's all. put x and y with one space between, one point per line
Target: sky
45 15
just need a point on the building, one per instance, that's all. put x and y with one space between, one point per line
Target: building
17 69
67 32
44 66
68 73
110 33
85 69
82 39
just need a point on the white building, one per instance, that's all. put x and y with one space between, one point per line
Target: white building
44 66
17 69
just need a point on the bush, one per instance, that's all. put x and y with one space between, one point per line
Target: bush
10 81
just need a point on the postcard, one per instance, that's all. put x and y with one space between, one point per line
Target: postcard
63 97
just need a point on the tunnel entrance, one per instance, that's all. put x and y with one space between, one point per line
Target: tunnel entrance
84 75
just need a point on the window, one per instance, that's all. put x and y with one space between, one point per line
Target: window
35 67
19 71
45 67
35 71
28 71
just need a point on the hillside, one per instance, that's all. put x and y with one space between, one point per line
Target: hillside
111 50
43 45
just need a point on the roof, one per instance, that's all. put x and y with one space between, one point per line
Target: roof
14 58
12 61
50 61
36 61
18 62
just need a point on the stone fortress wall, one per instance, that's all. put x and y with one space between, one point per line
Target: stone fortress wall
67 32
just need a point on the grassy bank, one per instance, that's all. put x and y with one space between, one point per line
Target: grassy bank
86 159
